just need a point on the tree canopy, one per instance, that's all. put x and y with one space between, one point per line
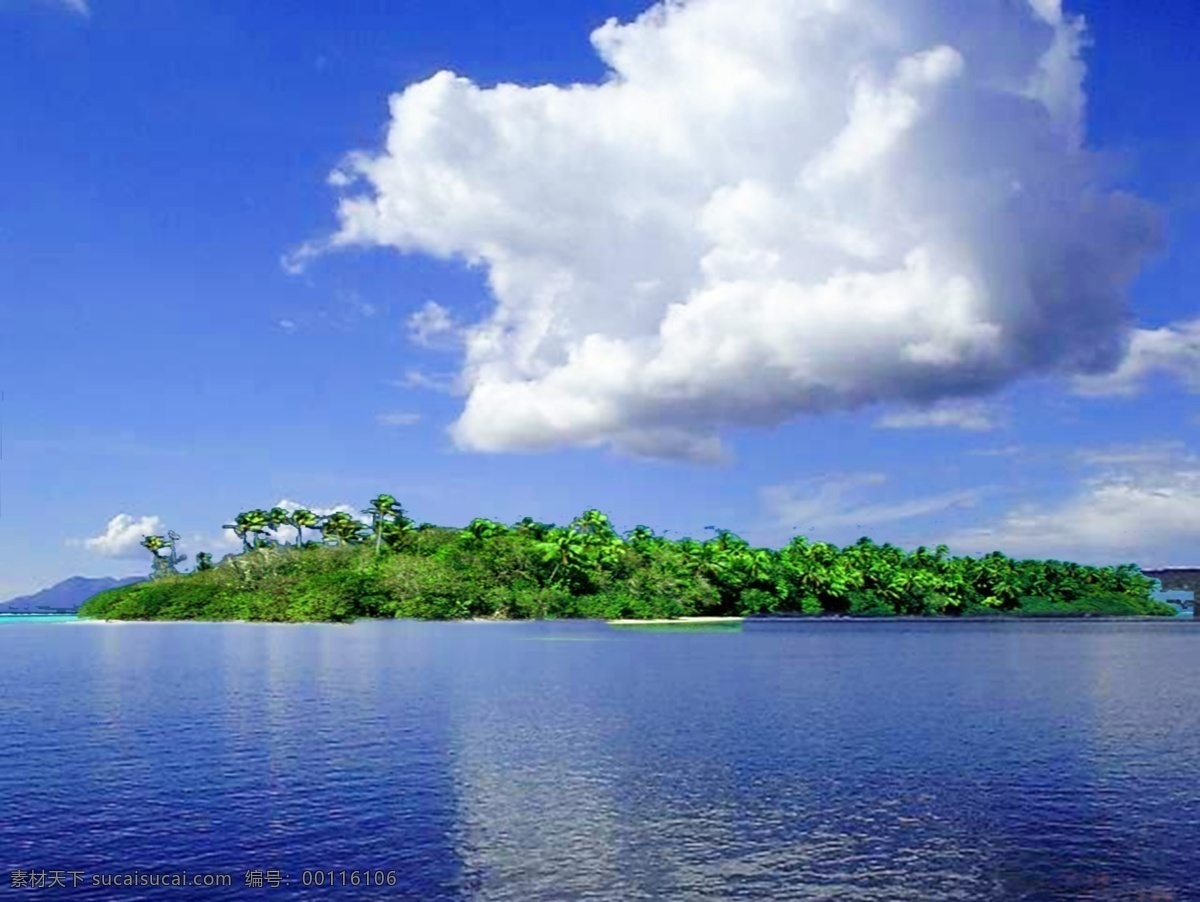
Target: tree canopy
587 569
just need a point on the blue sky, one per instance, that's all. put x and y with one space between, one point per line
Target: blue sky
771 270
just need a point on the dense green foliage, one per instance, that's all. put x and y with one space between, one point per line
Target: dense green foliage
1109 604
533 570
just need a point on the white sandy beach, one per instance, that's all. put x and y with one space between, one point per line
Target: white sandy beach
678 620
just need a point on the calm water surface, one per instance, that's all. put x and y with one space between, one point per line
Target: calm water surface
830 760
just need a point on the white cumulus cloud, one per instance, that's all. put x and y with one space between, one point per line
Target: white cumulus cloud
123 535
767 208
1172 349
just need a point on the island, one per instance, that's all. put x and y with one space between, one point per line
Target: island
395 568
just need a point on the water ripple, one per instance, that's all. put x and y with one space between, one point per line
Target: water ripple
855 762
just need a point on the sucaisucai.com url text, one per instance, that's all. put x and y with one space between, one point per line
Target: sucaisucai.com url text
50 879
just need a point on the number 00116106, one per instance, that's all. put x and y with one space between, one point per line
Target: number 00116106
348 878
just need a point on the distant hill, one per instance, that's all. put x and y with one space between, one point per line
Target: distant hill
67 595
1177 578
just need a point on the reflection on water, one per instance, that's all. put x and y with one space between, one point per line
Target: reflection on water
856 761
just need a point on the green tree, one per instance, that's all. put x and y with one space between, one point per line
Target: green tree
594 523
641 538
277 517
481 529
342 528
566 548
154 544
587 569
240 529
302 519
382 510
529 528
164 564
250 527
258 524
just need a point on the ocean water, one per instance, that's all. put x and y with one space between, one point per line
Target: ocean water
561 761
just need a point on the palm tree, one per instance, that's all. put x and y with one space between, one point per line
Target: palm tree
154 544
759 564
258 523
727 540
343 528
566 548
240 530
594 523
531 528
382 508
300 519
481 528
395 531
249 526
277 517
840 580
640 537
606 551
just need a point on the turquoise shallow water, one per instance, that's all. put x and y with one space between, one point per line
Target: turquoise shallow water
828 760
36 618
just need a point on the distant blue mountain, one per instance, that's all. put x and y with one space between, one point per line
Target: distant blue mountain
68 595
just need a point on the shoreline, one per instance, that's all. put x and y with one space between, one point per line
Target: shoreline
695 620
636 622
979 618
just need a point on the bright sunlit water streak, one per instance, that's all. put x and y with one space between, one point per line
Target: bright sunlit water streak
856 761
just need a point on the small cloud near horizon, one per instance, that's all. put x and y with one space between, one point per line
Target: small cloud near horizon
414 378
1002 451
398 419
1141 504
973 416
841 500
